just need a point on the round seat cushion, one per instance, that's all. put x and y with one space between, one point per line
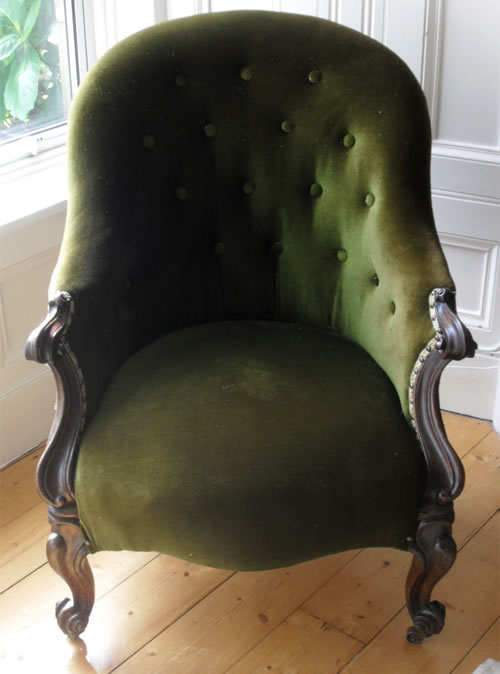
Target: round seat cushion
249 445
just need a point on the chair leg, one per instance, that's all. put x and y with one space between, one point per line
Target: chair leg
67 555
434 553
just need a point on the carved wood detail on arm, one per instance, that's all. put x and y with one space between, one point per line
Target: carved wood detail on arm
66 547
434 548
47 344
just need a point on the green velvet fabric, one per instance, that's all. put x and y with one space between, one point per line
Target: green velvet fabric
248 166
234 444
194 148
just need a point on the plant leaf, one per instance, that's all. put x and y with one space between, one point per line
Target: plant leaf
31 18
5 21
21 89
51 55
12 10
51 109
3 80
44 23
8 45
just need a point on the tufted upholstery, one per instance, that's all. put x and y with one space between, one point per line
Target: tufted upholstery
249 165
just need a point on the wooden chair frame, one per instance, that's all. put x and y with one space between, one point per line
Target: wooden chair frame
433 547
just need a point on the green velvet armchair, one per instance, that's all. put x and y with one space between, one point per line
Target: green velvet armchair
251 309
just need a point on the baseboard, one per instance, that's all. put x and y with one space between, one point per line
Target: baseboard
38 449
470 387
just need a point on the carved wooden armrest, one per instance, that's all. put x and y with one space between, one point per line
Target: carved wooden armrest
66 549
434 548
47 344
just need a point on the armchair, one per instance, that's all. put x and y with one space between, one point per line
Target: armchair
251 309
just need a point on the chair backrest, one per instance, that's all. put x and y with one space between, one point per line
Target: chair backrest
254 165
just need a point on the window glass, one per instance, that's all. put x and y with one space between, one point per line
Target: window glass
35 82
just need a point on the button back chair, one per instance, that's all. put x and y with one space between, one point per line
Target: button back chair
251 309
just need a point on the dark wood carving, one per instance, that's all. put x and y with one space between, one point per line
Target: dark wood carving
67 555
434 549
66 548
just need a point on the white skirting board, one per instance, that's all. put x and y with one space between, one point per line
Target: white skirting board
472 387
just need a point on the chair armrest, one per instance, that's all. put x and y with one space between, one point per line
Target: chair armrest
452 341
85 337
48 344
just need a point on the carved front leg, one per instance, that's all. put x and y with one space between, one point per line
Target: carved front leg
67 555
434 554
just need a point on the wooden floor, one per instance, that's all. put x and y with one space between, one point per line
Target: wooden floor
345 613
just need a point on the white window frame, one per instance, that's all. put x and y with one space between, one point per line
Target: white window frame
13 153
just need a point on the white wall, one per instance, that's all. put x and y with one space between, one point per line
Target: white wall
28 252
462 80
452 47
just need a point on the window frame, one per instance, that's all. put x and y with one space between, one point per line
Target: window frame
29 147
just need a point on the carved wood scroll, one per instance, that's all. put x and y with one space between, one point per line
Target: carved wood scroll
434 548
66 548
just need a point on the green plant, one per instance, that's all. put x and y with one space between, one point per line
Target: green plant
29 62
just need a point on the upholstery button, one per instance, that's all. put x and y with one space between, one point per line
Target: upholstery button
375 280
316 190
314 76
181 193
246 73
219 248
369 199
288 126
341 255
392 307
277 248
248 187
210 130
181 80
348 140
148 141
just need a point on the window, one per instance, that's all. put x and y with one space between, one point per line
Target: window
37 75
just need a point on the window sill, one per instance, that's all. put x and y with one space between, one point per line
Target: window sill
36 188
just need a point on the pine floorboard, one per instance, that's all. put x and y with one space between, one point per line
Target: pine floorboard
345 613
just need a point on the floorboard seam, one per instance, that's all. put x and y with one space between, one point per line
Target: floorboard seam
181 615
20 580
474 645
297 608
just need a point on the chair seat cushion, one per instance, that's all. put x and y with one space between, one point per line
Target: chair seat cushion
249 445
